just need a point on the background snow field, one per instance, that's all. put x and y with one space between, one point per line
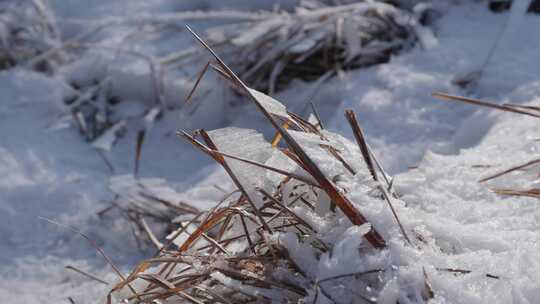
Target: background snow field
436 151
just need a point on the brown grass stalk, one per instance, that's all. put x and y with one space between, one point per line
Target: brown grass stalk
482 103
361 141
518 167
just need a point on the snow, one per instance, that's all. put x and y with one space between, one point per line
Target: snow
49 170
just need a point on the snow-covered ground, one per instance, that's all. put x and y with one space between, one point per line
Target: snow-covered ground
49 170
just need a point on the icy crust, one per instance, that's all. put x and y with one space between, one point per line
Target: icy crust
247 144
251 145
270 104
473 227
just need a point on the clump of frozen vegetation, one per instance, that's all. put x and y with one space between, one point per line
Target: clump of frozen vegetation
27 29
318 40
315 219
296 225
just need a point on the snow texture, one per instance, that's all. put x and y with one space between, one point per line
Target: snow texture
49 170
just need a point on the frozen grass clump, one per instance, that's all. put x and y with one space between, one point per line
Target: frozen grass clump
302 236
27 29
317 39
315 219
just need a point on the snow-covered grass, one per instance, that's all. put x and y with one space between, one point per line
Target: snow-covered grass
316 40
415 259
49 170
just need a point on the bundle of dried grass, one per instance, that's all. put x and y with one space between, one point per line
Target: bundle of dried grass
27 29
260 242
147 203
316 39
239 251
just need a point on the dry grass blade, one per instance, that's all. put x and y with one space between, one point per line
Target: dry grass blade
282 172
106 161
199 78
213 152
88 275
277 137
197 144
238 184
96 246
534 193
244 226
427 292
177 290
138 148
354 215
387 198
483 104
180 206
275 216
361 141
287 209
157 280
348 275
303 124
533 108
205 226
151 236
336 154
381 170
213 294
519 167
190 298
178 233
215 244
316 113
462 271
260 281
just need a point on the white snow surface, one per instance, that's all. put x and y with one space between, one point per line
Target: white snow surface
49 170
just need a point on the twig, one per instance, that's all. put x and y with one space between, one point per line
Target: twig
383 191
535 192
455 270
106 161
533 108
361 141
138 147
199 77
238 184
96 246
250 242
519 167
427 292
150 234
88 275
482 103
273 199
210 151
316 113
